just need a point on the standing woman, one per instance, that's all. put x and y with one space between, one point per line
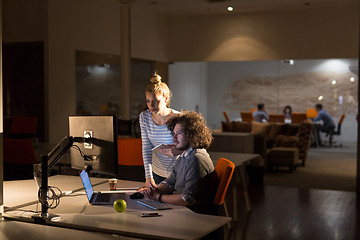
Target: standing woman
154 132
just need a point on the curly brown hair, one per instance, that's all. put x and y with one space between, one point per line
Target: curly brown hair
195 128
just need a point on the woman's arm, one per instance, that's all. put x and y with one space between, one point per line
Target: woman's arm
169 150
146 148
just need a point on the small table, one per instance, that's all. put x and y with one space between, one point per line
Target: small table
240 160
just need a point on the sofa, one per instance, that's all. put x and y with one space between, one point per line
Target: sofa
267 136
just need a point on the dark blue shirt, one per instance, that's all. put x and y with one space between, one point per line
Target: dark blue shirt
325 117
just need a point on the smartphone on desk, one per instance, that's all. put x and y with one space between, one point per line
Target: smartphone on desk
150 214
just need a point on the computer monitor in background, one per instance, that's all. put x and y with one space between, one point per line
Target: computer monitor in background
99 154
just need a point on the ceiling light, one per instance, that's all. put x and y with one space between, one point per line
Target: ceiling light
320 98
333 82
352 79
230 9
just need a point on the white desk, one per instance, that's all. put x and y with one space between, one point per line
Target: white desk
10 230
240 176
77 213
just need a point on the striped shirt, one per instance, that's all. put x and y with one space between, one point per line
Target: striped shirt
151 136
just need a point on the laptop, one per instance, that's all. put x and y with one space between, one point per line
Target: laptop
98 198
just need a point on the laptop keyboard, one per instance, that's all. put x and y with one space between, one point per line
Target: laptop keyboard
103 197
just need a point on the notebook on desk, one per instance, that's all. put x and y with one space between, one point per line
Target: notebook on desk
98 198
154 205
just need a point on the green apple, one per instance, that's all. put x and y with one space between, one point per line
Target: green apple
120 205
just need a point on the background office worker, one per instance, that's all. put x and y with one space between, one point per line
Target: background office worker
192 182
287 112
154 132
323 120
260 114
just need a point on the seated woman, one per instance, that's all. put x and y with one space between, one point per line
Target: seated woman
287 112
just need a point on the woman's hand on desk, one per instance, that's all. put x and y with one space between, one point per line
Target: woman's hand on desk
148 183
151 192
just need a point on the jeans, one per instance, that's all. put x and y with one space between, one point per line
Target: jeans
158 179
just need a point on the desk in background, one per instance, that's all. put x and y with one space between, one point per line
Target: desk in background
77 213
243 142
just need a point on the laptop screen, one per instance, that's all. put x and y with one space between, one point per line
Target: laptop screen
87 184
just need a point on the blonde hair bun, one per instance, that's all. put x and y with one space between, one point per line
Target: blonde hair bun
156 79
158 87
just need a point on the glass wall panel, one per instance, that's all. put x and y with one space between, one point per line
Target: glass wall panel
98 85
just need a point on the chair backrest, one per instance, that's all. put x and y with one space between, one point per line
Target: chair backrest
136 128
24 125
298 117
224 170
226 116
341 119
19 151
338 130
130 151
311 113
276 117
124 127
246 116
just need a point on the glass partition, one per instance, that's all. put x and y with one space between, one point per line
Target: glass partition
98 86
239 86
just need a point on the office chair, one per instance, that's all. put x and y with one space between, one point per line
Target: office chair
224 170
226 116
19 157
336 132
124 127
131 166
23 127
136 128
311 113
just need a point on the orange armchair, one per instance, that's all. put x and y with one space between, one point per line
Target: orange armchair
246 116
298 117
276 117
